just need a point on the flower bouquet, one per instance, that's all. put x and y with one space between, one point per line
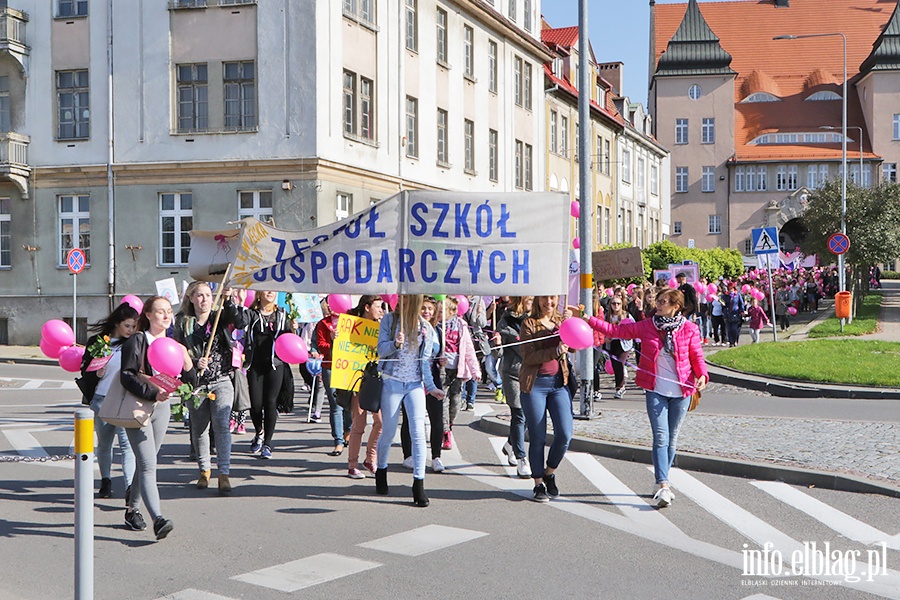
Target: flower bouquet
101 353
188 393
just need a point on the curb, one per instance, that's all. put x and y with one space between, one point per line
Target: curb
48 362
707 464
796 389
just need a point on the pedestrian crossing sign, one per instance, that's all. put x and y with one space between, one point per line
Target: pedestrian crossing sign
765 240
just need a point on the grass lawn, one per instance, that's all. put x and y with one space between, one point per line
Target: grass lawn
865 321
863 362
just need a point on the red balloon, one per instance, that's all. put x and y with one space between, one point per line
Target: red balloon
70 358
166 356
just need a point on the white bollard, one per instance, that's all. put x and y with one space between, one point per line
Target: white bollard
84 504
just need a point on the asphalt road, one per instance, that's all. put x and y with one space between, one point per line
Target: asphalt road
297 527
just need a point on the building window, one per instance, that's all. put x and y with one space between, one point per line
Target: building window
358 109
441 36
176 221
4 104
889 172
676 228
681 179
564 136
528 167
343 206
193 97
356 9
607 156
748 247
709 179
816 175
492 154
74 226
606 225
412 127
681 131
577 139
518 81
654 180
554 145
626 165
793 176
73 104
412 26
897 127
598 231
739 179
715 224
527 85
695 92
256 204
492 67
469 133
641 180
5 236
526 9
240 95
72 8
781 178
751 179
512 10
762 179
468 52
520 151
708 132
442 137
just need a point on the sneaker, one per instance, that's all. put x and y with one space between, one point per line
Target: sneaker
231 425
663 497
315 419
491 387
540 493
619 393
436 465
550 484
597 396
135 520
522 469
266 452
470 406
241 429
408 463
706 341
510 455
162 527
355 474
498 396
256 444
369 467
448 441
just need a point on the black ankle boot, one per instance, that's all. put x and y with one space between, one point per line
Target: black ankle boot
105 488
419 497
381 485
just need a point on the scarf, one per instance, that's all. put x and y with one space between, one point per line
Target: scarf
668 326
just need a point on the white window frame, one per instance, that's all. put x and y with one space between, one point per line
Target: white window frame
5 237
897 127
512 10
71 8
441 41
412 127
641 183
412 25
193 112
77 98
520 151
708 180
554 141
257 199
527 85
739 179
443 149
493 141
626 165
468 52
715 225
889 172
180 247
708 131
77 216
781 178
681 180
343 205
528 158
526 14
492 66
751 179
244 88
682 136
469 146
762 178
518 66
654 179
793 177
564 135
358 110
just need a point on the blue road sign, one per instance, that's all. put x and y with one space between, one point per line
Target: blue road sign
765 240
76 260
838 243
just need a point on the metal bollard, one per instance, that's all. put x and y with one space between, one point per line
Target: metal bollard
84 504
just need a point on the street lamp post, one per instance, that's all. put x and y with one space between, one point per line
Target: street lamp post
842 276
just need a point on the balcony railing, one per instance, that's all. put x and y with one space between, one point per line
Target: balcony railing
12 28
14 149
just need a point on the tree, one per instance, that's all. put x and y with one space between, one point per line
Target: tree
713 263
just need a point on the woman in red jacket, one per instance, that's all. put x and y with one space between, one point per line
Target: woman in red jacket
341 423
670 370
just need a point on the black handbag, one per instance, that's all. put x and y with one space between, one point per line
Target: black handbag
572 383
370 388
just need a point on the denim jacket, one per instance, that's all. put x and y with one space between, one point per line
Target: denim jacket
387 350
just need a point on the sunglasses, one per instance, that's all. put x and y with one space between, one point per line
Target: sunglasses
615 304
662 302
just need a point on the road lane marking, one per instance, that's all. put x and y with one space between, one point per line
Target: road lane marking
840 522
498 443
481 409
423 540
306 572
192 594
38 384
24 443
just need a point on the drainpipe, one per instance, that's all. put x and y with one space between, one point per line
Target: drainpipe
110 186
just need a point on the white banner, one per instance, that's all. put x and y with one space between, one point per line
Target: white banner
411 243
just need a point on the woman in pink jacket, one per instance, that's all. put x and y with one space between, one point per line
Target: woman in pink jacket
670 370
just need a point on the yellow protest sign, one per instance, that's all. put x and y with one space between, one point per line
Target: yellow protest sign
354 346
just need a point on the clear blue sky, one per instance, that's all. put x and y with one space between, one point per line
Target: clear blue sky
619 30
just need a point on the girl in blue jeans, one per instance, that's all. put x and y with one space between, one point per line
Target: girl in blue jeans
542 379
406 345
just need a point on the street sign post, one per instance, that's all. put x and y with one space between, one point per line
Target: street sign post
76 261
765 241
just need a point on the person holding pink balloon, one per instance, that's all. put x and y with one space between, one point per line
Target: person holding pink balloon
618 349
671 369
117 327
266 321
193 329
140 359
543 380
758 319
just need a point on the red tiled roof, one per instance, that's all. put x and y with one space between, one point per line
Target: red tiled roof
560 36
609 110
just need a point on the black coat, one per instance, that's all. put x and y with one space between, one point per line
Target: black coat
134 362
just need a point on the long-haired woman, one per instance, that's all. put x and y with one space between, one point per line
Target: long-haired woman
193 329
671 369
406 345
509 327
618 349
117 327
369 307
543 378
153 323
265 322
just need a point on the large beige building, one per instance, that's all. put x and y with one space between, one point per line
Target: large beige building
754 123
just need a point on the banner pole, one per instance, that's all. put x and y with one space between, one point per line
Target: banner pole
215 327
771 297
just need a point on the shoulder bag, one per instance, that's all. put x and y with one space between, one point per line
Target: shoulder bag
370 387
124 409
695 401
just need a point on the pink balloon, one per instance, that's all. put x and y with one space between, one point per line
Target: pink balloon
712 288
391 300
576 243
608 367
291 348
745 289
166 356
134 302
609 292
630 287
339 303
463 306
699 287
576 333
792 311
711 298
70 358
57 333
51 350
575 209
673 283
249 298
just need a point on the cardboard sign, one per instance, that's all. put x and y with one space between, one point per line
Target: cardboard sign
692 272
98 363
165 382
617 264
354 346
166 288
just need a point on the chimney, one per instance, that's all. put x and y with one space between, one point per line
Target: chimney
782 3
612 72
